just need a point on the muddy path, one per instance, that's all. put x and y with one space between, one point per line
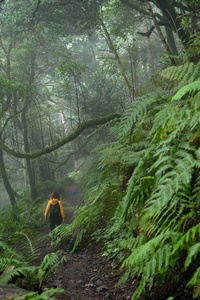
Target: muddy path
86 274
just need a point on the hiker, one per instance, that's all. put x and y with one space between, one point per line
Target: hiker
55 210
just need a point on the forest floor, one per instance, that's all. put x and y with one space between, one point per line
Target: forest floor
86 274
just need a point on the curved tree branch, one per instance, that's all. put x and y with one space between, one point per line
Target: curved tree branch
60 143
149 32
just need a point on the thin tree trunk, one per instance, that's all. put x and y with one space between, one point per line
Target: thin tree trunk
150 59
33 190
3 171
30 173
112 49
6 181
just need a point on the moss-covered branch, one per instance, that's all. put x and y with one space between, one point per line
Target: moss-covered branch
60 143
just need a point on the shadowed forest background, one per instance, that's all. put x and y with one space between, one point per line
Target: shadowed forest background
105 94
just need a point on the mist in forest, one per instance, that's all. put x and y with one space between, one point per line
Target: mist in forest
62 63
106 94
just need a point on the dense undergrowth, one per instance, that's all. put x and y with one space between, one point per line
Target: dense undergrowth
19 238
141 194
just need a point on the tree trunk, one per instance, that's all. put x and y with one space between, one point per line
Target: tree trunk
5 180
171 41
165 45
33 190
168 10
112 49
2 113
150 59
30 173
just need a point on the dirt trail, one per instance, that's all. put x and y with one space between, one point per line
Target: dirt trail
86 275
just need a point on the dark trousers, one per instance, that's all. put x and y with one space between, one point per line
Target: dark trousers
54 221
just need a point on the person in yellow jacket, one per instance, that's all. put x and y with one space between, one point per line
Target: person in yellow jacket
55 210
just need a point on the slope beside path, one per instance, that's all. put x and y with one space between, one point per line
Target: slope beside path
86 275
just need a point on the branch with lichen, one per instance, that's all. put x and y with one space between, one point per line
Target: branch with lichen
60 143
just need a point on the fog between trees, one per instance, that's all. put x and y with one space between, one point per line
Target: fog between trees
106 94
70 64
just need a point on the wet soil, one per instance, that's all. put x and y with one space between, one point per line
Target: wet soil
86 274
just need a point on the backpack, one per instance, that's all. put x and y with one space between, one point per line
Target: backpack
54 209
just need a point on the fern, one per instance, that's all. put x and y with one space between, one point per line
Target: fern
49 264
187 238
191 89
149 260
196 292
5 250
188 72
32 248
135 112
17 272
155 216
194 278
193 251
46 295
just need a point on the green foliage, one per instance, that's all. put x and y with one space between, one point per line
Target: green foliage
29 250
194 49
14 264
24 216
19 270
49 264
153 170
191 89
182 74
43 296
14 268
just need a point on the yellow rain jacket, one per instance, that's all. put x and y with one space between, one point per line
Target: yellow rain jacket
53 202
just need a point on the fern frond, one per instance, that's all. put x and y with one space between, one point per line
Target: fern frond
187 238
134 113
164 121
149 259
17 272
193 251
46 295
48 260
5 250
33 249
49 264
144 252
187 72
191 89
194 278
196 292
6 262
